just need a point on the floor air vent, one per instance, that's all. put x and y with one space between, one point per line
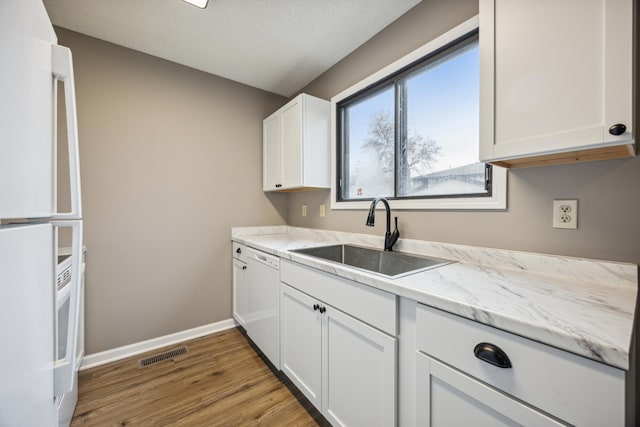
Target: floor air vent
167 355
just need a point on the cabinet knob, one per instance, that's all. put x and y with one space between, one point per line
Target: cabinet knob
316 307
492 354
238 251
617 129
244 267
323 309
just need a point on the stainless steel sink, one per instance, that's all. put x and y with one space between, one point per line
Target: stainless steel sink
390 264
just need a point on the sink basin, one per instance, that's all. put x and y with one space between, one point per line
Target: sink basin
390 264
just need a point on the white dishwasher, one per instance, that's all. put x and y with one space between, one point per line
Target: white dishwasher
263 303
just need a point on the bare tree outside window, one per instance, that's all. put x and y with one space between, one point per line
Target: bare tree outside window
417 154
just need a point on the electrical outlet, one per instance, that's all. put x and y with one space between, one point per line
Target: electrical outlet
304 210
322 212
565 214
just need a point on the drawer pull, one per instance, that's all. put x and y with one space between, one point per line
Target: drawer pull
617 129
492 354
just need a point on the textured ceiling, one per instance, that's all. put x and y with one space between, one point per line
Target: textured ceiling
275 45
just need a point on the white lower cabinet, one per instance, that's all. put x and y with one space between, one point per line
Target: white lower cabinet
357 352
469 372
446 397
345 367
239 284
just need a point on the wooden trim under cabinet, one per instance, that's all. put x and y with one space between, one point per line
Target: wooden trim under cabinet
298 189
579 156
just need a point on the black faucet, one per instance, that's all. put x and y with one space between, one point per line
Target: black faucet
389 238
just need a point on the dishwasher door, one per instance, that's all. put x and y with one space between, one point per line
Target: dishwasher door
263 303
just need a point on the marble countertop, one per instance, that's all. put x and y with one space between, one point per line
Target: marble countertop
583 306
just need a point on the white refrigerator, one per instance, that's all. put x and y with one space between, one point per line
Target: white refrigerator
38 362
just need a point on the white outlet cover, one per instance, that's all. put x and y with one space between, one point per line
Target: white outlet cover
565 214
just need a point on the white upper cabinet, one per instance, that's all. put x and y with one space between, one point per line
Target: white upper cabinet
296 146
556 81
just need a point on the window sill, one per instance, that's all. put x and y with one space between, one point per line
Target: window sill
498 201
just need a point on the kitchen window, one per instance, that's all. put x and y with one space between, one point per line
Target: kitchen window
411 132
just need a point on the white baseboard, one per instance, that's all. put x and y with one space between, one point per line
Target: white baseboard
113 355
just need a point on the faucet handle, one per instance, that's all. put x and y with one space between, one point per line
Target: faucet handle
392 238
396 233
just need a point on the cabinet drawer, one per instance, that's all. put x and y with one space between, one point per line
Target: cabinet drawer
373 306
575 389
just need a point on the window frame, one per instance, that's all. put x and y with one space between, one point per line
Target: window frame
496 199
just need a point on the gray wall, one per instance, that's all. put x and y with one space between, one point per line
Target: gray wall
607 191
171 159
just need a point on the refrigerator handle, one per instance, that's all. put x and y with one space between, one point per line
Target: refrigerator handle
62 70
64 369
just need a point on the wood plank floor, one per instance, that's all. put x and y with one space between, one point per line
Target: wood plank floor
221 381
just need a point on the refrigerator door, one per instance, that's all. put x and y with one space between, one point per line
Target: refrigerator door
32 63
26 110
27 318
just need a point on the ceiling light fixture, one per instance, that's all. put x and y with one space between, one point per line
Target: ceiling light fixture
199 3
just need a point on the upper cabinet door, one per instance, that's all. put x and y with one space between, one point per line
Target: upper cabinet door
272 153
292 144
26 111
556 77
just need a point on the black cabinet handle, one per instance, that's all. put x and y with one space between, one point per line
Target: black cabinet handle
492 354
318 307
617 129
238 251
244 267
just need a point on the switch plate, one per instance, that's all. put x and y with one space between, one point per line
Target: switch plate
304 210
322 212
565 214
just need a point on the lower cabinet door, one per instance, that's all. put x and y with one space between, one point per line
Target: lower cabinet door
359 372
446 397
300 331
240 292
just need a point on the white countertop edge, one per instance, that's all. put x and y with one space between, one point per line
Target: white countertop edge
571 268
570 331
